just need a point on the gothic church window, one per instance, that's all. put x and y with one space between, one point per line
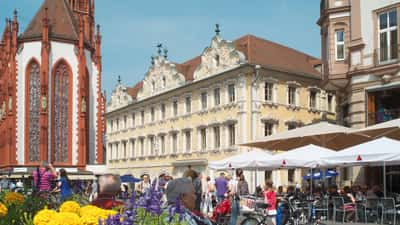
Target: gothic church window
61 107
34 112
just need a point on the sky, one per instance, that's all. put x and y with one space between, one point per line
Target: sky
132 29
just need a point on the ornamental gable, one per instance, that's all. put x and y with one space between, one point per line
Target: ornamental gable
119 98
161 76
221 55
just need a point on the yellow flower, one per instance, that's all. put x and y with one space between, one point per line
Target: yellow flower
70 206
91 211
14 198
89 220
67 218
3 210
44 217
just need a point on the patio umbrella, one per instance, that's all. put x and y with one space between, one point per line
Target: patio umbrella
323 134
129 179
389 129
246 160
383 151
308 156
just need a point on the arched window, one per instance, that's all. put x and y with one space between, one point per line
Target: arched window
33 91
61 112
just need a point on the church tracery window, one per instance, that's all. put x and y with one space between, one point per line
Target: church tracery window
61 113
34 113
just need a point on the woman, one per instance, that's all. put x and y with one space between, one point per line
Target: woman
243 186
270 199
145 184
349 203
64 186
208 196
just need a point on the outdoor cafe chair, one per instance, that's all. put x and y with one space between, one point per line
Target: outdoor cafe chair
323 207
339 207
372 209
389 209
361 211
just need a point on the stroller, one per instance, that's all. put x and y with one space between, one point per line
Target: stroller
222 213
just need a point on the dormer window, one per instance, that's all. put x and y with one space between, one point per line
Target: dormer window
217 60
164 82
153 86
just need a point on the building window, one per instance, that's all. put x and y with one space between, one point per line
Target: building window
61 112
292 126
142 116
117 155
117 124
141 146
217 60
330 103
188 140
112 126
388 36
217 138
153 115
124 148
204 100
268 92
188 103
291 175
231 92
175 107
152 144
174 143
164 82
232 134
268 175
268 128
153 86
162 144
339 44
132 148
292 96
133 119
163 111
34 113
125 122
203 136
217 99
313 100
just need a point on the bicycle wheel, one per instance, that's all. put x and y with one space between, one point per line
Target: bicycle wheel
250 221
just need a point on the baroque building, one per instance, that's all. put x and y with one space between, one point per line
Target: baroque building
50 82
360 55
201 110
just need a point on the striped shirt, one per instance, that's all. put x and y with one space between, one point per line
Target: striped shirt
45 179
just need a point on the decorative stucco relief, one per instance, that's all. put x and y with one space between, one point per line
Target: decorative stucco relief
161 76
219 56
119 98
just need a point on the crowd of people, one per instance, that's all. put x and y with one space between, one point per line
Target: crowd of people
202 199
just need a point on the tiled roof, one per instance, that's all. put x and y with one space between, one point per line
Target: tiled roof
133 91
257 51
62 23
270 54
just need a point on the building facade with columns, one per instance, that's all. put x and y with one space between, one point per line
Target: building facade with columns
50 80
201 110
360 55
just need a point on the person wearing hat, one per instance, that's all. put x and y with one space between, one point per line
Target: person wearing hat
145 184
182 190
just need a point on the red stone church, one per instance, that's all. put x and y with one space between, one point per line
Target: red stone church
51 104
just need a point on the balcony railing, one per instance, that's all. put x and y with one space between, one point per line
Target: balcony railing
386 55
386 115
